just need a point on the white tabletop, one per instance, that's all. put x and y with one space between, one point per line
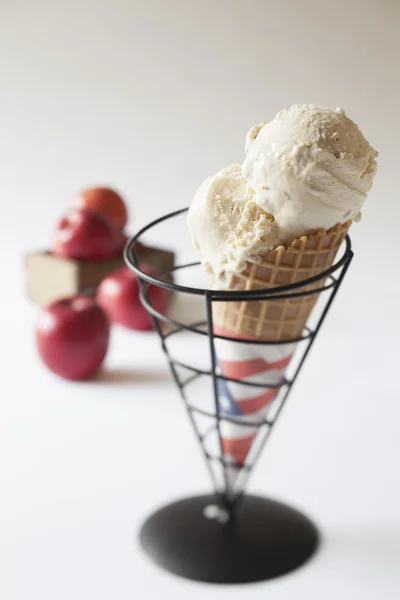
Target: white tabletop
152 97
83 464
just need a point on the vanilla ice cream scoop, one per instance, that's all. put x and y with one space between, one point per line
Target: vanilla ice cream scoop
310 167
227 226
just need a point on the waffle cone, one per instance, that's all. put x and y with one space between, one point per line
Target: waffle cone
282 319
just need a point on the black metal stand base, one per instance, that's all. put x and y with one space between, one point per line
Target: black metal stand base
264 540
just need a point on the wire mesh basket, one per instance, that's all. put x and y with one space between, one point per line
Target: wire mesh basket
234 389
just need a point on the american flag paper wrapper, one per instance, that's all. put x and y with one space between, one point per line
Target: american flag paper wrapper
247 363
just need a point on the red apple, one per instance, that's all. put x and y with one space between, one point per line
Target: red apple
105 201
72 337
86 235
118 294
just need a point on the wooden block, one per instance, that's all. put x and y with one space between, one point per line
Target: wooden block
50 278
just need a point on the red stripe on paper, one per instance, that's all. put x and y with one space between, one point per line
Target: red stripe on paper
238 449
239 369
251 405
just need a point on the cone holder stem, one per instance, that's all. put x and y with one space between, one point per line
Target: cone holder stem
207 537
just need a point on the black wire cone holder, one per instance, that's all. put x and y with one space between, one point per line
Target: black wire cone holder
230 537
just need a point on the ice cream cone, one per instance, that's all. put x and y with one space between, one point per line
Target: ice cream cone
280 319
269 320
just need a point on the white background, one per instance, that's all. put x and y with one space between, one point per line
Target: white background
152 97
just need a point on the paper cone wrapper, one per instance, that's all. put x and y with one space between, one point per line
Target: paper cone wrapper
269 320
